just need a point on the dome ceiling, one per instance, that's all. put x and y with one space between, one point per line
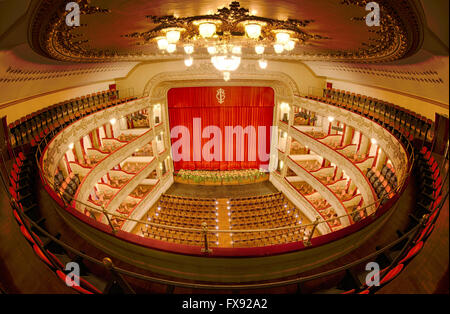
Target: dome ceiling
331 30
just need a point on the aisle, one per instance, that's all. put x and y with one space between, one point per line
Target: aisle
223 223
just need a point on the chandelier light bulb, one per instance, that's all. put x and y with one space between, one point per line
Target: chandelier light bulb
259 49
207 30
188 61
173 36
262 64
162 43
290 45
253 30
189 49
279 48
225 63
171 48
212 50
236 50
283 37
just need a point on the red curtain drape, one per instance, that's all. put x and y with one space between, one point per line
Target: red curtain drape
205 146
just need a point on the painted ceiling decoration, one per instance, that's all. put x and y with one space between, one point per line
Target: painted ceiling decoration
322 30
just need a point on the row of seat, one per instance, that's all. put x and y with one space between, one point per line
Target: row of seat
187 200
190 207
384 185
179 237
381 111
24 203
270 237
25 129
309 165
430 187
68 187
428 206
255 212
256 199
257 207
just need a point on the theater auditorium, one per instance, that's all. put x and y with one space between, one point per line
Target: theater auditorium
224 147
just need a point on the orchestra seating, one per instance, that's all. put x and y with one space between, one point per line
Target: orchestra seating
263 212
182 212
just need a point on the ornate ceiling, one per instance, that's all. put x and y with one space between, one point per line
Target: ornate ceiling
123 30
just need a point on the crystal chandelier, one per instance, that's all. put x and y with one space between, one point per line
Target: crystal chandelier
226 36
227 60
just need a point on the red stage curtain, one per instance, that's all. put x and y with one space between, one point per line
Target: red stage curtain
220 107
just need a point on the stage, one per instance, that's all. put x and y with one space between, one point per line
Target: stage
222 191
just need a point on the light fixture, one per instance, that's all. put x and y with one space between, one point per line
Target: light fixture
253 30
259 49
236 50
207 29
373 141
189 49
279 48
262 63
290 45
162 43
331 119
226 63
71 146
188 61
113 121
212 50
284 106
282 36
173 35
171 48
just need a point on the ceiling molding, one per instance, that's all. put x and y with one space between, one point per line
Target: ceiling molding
400 35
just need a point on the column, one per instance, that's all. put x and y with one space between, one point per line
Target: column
79 152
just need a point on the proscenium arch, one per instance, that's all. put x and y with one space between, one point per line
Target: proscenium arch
204 74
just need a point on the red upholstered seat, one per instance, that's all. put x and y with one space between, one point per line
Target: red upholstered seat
42 256
62 276
27 234
412 252
392 274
